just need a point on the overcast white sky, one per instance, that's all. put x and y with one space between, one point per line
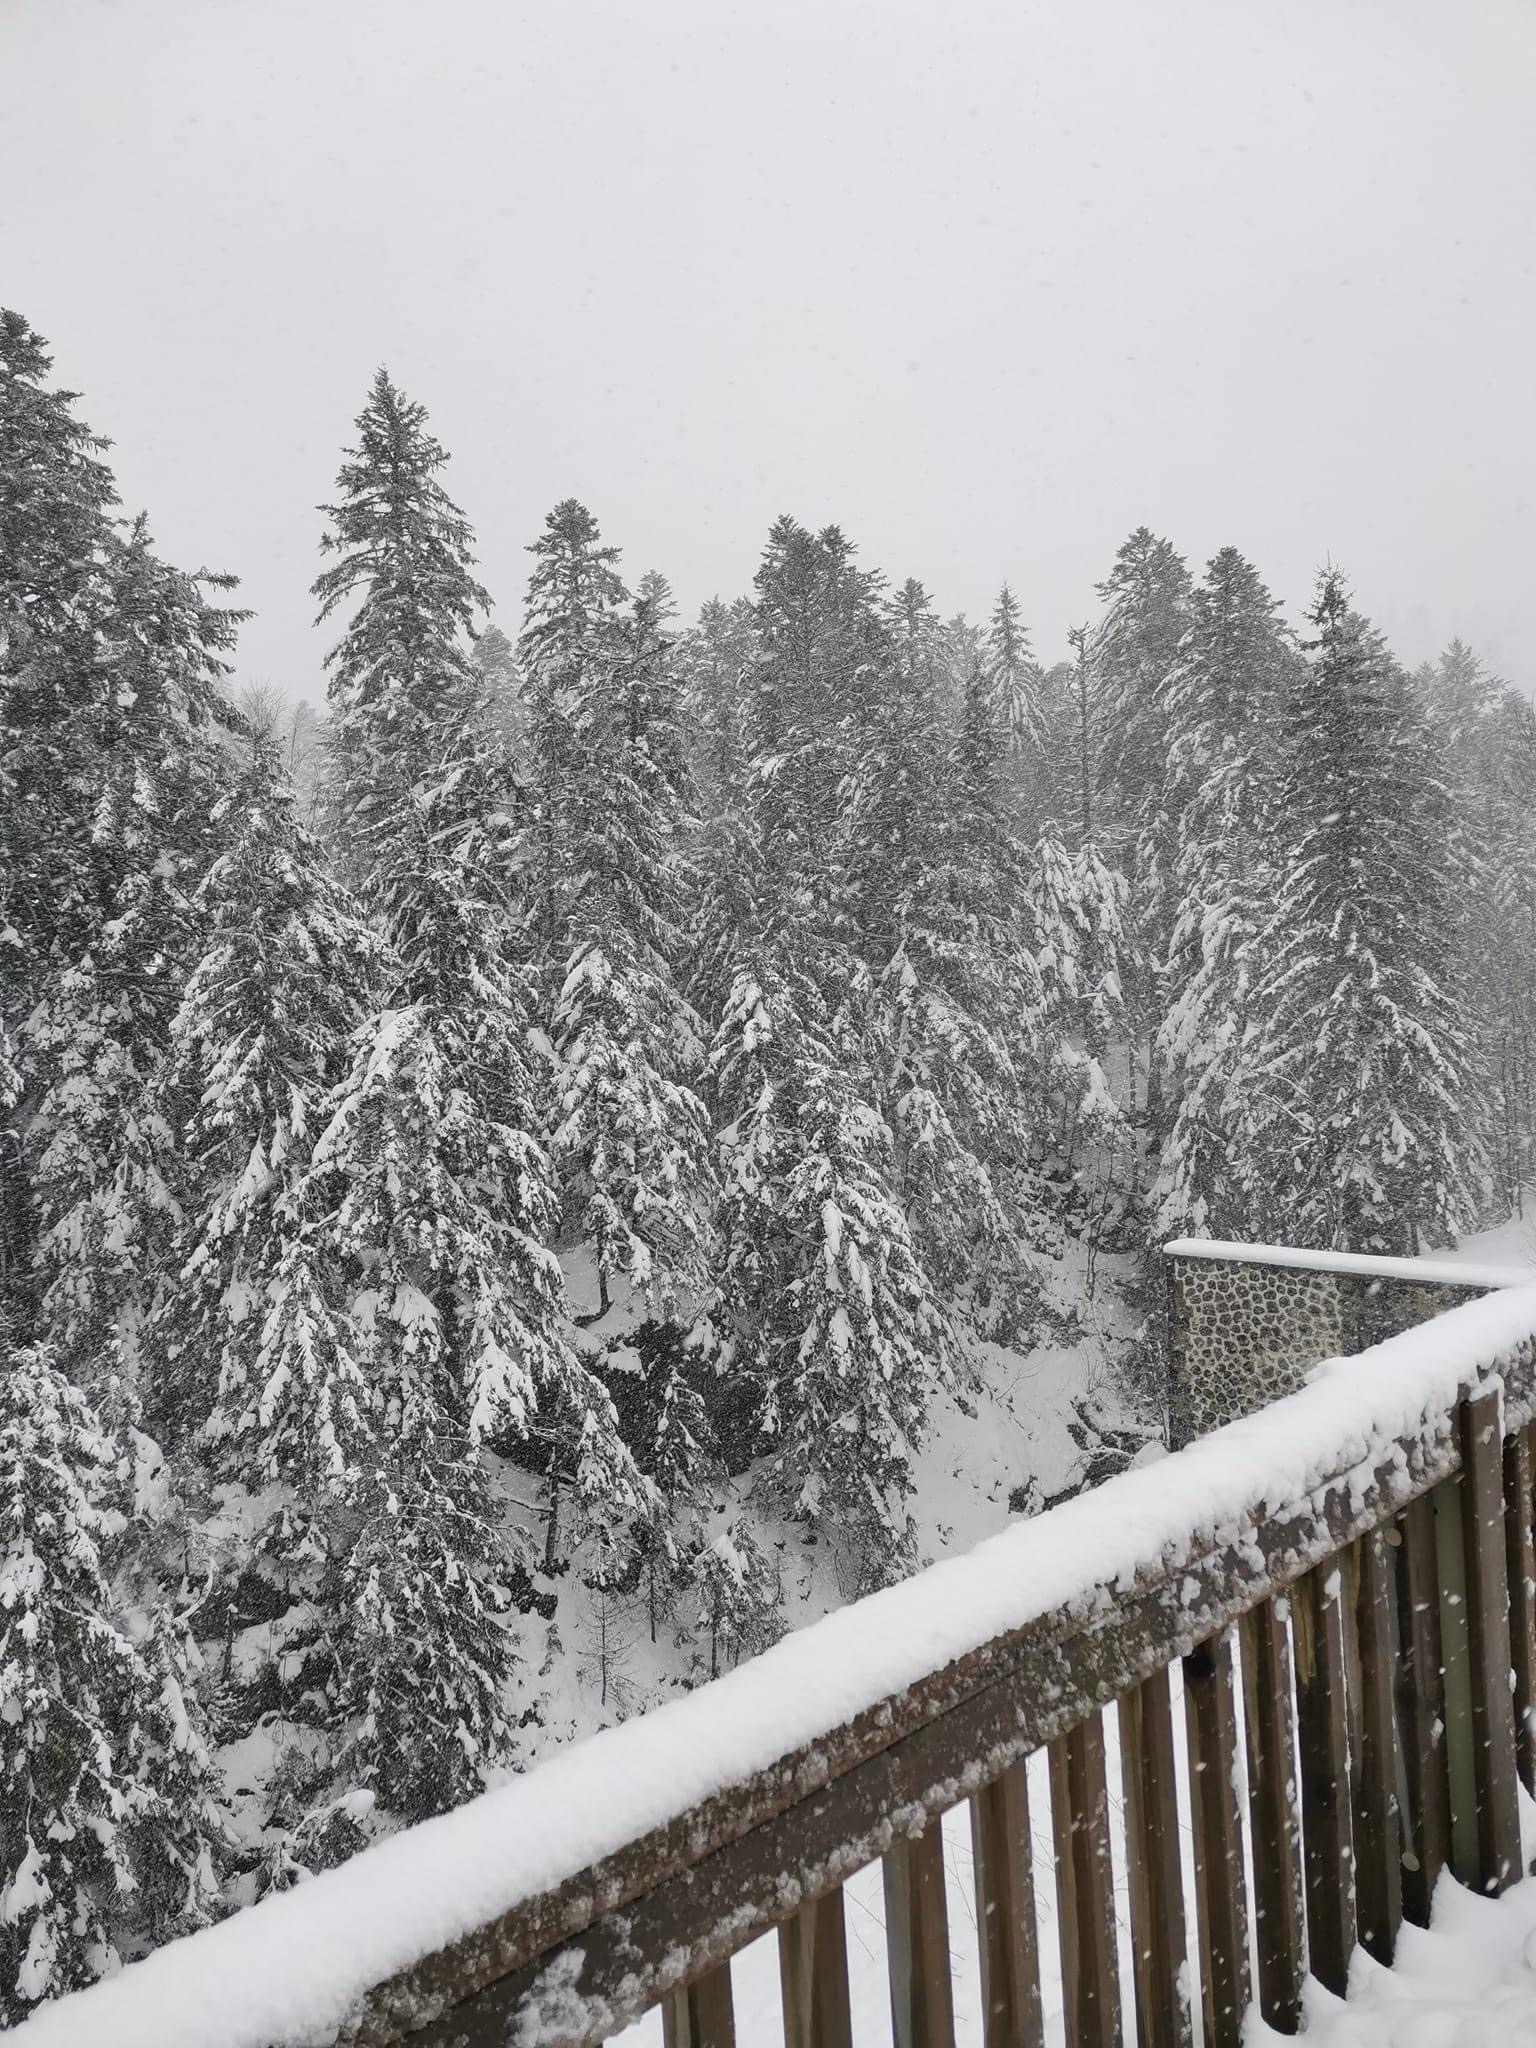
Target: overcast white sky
988 284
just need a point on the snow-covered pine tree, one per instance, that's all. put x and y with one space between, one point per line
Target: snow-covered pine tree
56 509
444 1191
180 1843
495 661
655 593
824 1304
737 1595
427 1169
1003 718
439 1190
822 658
261 1036
1487 739
830 1307
935 865
1134 652
403 671
628 1131
251 1357
715 660
1223 703
572 614
427 1193
1077 916
1362 1053
1135 647
107 1833
98 1145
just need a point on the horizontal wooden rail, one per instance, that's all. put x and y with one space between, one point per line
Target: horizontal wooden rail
1323 1585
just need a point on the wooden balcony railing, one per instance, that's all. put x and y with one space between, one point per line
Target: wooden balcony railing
1338 1599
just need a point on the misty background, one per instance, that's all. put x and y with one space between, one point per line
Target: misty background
983 283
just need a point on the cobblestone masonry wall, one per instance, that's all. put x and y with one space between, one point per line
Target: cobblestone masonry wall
1241 1336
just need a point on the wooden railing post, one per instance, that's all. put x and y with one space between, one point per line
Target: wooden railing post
1220 1884
917 1941
1520 1549
1085 1897
1456 1669
1323 1744
813 1975
1005 1913
1488 1591
700 2014
1378 1817
1274 1821
1155 1879
1421 1710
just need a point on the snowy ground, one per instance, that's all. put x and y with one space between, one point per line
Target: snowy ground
1507 1244
1009 1429
1468 1981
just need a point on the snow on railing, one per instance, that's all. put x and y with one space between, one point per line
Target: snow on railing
1353 1536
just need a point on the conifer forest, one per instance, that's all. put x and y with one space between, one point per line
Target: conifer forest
518 1185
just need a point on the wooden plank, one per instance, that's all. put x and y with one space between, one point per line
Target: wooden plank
1323 1754
917 1940
700 2014
1456 1666
1378 1814
1005 1913
813 1975
1221 1889
1274 1820
1493 1714
1421 1711
1085 1898
1520 1549
1155 1878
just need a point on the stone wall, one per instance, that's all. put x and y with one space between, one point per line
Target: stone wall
1243 1333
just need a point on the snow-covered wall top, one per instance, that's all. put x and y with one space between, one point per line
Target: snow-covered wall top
293 1969
1430 1272
1247 1322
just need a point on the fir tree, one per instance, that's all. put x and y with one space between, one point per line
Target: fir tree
1003 723
426 1652
253 1359
1135 650
99 1147
402 673
1224 700
955 994
1487 740
57 506
715 660
500 688
628 1131
832 1312
105 1841
1362 1053
737 1595
1077 915
260 1037
427 1169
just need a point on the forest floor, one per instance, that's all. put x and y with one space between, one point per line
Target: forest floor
1011 1430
